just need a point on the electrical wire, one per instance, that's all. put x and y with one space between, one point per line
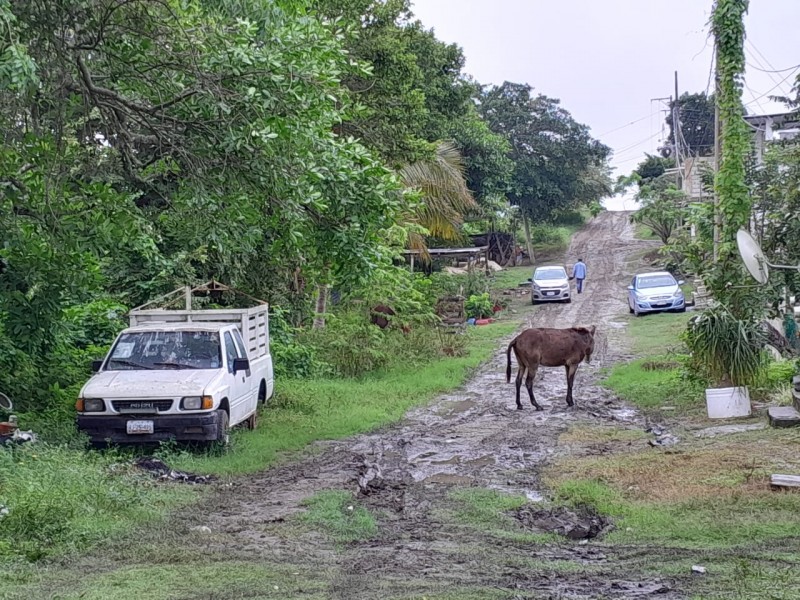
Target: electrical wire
632 146
773 71
776 86
626 125
768 72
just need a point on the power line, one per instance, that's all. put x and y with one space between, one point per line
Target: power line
626 125
773 88
768 72
753 95
774 70
636 145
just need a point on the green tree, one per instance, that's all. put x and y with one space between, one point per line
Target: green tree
157 143
696 116
652 167
663 207
444 196
550 150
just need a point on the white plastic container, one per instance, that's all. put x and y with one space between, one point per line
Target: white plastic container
725 403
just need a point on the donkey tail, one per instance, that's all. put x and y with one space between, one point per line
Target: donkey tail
508 360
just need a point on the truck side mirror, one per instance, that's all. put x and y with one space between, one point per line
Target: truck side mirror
96 366
530 279
241 364
630 287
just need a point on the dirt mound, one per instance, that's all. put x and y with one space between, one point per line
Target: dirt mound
579 524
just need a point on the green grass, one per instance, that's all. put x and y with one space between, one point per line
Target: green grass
651 388
305 411
338 514
699 523
656 379
486 511
657 333
169 582
62 500
511 277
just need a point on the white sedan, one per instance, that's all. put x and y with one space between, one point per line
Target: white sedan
654 292
550 284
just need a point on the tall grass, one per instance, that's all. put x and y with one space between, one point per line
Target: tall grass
60 500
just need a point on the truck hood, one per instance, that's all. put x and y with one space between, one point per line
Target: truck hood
149 384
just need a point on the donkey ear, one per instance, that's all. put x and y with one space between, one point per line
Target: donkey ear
593 329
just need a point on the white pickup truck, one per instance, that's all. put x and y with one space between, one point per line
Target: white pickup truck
185 375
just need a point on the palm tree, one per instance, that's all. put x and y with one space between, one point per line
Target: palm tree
446 199
441 181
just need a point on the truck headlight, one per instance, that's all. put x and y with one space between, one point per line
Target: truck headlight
93 405
197 403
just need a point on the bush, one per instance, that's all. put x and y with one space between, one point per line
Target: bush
350 345
443 284
479 306
292 356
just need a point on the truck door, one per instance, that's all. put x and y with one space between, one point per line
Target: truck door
239 382
253 382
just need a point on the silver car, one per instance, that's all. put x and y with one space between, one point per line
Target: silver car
653 292
550 284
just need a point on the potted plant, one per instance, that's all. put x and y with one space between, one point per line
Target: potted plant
730 352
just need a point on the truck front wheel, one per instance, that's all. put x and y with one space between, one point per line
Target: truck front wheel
223 432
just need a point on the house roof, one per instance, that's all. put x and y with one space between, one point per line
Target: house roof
790 118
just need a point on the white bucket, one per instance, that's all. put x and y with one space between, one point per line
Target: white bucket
724 403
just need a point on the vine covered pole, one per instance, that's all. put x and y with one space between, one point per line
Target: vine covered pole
717 216
727 26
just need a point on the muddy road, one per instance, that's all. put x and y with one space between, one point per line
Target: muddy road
473 439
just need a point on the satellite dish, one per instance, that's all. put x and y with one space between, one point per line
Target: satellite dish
5 402
753 257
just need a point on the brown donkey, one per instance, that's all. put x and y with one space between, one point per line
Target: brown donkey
549 348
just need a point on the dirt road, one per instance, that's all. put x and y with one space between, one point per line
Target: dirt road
475 440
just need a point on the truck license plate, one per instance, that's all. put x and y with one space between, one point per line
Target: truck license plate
140 427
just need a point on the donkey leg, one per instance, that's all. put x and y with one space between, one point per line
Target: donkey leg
571 370
518 383
529 384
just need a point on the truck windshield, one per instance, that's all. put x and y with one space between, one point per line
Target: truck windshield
166 350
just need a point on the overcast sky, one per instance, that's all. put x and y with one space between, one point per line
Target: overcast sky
608 59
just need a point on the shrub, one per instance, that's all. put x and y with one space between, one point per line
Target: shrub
292 356
350 344
479 306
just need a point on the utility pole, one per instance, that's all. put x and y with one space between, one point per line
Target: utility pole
676 133
717 155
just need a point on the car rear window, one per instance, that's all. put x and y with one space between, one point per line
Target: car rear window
651 281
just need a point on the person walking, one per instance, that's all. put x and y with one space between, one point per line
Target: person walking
579 273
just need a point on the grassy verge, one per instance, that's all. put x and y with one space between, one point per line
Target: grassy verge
643 232
657 379
304 411
60 501
704 501
511 277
